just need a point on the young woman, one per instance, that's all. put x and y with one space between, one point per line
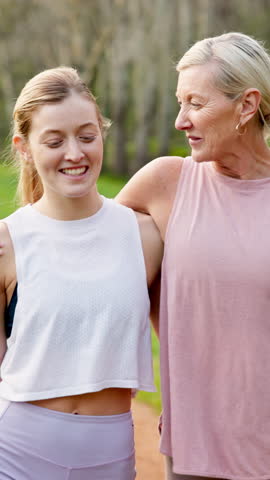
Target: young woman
74 276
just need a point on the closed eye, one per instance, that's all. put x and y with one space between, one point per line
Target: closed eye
54 144
88 138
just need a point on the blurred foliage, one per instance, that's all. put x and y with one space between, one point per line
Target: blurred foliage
126 51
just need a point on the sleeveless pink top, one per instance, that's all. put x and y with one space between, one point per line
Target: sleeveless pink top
215 326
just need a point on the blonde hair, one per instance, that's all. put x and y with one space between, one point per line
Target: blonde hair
50 86
242 62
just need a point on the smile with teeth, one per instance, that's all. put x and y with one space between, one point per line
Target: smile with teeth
74 171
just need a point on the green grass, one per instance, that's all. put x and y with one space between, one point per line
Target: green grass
7 191
108 186
153 399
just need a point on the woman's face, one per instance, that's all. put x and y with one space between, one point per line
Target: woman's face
65 144
206 115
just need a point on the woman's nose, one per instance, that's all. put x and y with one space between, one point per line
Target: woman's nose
182 121
74 152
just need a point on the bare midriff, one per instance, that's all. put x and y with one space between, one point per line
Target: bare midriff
110 401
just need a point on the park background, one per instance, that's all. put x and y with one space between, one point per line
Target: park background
126 51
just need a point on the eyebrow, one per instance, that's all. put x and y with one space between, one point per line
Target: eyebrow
190 95
53 130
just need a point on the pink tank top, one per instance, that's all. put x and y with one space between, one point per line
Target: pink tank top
215 326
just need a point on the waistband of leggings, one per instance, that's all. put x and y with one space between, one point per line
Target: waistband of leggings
29 408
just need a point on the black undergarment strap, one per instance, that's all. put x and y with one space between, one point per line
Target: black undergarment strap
10 312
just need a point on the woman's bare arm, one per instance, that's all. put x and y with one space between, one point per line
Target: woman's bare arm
152 190
3 341
3 286
154 293
153 252
152 245
7 281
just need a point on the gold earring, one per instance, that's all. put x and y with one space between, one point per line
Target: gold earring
237 128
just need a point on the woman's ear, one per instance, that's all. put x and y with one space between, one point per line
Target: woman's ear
249 104
21 147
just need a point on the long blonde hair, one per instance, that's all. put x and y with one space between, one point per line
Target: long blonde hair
50 86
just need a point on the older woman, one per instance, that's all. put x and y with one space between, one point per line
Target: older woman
212 210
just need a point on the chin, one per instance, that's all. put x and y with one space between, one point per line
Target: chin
200 157
77 194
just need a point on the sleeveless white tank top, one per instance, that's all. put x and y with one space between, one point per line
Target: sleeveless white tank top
81 323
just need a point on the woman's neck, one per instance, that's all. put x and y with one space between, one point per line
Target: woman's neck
67 208
249 161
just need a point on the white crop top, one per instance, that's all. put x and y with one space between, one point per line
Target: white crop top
81 323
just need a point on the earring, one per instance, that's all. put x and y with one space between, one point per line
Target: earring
237 128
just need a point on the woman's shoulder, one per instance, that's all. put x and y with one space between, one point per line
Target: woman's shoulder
165 172
173 163
161 170
170 161
5 238
152 189
6 253
151 183
4 232
15 217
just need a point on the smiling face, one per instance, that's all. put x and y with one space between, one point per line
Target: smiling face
65 144
206 115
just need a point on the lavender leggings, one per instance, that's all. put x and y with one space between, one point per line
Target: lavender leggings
39 444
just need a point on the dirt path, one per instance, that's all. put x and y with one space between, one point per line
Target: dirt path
149 461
